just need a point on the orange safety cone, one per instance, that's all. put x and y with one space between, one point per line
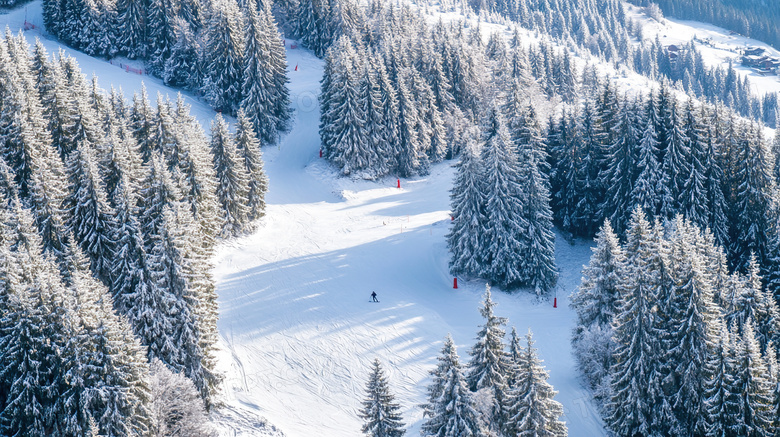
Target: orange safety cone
455 283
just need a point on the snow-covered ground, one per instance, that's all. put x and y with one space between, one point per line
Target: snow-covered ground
298 330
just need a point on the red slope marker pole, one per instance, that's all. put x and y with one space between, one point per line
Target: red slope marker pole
455 283
399 183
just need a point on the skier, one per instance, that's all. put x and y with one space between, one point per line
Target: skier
373 297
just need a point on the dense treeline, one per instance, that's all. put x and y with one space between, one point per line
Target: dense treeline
668 157
110 214
672 343
502 391
754 18
234 56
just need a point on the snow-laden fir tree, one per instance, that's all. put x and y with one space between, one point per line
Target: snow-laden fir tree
91 218
531 409
596 303
541 274
467 204
232 183
675 162
754 391
489 367
585 219
630 409
160 29
248 150
450 410
691 330
504 232
646 192
176 408
717 394
379 409
224 59
183 67
131 32
617 175
266 99
692 203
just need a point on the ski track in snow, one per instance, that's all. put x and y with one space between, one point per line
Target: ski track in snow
298 332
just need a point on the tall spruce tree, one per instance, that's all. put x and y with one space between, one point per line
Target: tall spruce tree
467 204
531 410
232 184
450 410
248 150
224 57
380 411
505 225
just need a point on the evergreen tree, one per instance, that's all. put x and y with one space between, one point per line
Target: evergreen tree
596 303
224 57
160 32
503 235
131 33
754 395
232 186
488 367
532 410
618 173
450 410
380 411
630 409
91 217
248 149
467 204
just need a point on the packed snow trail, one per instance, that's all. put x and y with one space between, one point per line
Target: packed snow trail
298 326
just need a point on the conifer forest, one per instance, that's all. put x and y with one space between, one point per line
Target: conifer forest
187 261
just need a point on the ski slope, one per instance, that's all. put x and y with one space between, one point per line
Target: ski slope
298 329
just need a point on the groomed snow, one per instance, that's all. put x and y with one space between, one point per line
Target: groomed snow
298 328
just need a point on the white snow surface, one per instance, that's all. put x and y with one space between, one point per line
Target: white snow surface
298 332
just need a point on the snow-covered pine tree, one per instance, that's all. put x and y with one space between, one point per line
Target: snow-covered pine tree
160 29
183 67
142 123
691 331
596 303
377 129
751 204
717 221
489 368
755 303
618 173
717 389
175 406
450 410
629 410
379 410
258 88
531 410
91 218
692 202
198 181
232 181
647 191
248 150
106 373
410 156
224 48
503 235
156 191
675 162
467 204
541 273
754 391
131 33
350 149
